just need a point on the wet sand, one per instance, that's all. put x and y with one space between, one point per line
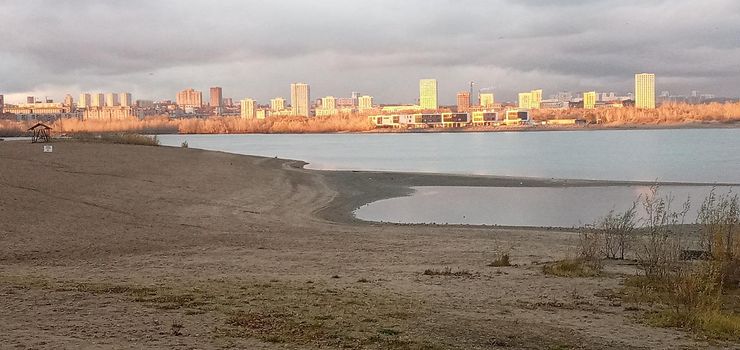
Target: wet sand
117 246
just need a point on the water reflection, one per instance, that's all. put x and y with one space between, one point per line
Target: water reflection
531 206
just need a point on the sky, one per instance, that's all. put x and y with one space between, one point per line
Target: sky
256 48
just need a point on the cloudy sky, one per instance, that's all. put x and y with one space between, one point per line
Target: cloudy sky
256 48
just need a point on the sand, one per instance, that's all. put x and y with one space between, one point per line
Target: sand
128 247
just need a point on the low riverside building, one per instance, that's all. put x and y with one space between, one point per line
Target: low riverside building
41 111
109 113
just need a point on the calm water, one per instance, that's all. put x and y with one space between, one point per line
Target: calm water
692 155
558 207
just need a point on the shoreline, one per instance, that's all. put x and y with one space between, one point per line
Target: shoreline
533 128
358 188
115 244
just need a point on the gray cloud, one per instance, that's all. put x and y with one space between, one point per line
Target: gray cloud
256 48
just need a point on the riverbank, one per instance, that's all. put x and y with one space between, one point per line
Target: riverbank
120 246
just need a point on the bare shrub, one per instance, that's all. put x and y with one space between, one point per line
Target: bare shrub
617 232
719 222
659 249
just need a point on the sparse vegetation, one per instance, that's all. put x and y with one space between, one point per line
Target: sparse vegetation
700 296
501 261
447 272
184 144
120 138
573 267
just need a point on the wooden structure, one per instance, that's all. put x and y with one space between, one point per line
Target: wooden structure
41 133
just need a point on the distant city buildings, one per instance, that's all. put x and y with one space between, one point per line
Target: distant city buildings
428 95
69 101
487 100
189 98
365 102
111 99
2 104
525 100
98 100
277 104
645 90
530 100
300 99
463 101
125 100
328 106
216 101
589 100
248 108
84 101
535 99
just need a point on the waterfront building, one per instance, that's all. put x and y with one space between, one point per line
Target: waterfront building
428 95
216 97
300 99
98 100
645 90
69 101
30 99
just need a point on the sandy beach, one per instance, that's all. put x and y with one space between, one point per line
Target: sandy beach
128 247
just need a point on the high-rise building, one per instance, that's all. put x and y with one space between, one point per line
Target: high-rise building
84 101
300 99
2 104
228 102
589 100
535 99
365 102
525 100
98 100
428 94
125 99
111 99
216 96
69 101
329 103
487 99
645 90
30 99
463 101
277 104
189 98
356 98
248 109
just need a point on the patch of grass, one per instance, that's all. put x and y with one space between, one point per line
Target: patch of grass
501 261
118 138
573 268
448 272
713 324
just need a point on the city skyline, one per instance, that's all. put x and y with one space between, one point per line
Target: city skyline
393 43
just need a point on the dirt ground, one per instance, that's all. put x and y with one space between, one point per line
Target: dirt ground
127 247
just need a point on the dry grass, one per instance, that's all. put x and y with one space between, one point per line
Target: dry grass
119 138
578 267
447 272
502 260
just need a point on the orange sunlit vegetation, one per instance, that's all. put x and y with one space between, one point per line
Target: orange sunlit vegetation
678 113
669 114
